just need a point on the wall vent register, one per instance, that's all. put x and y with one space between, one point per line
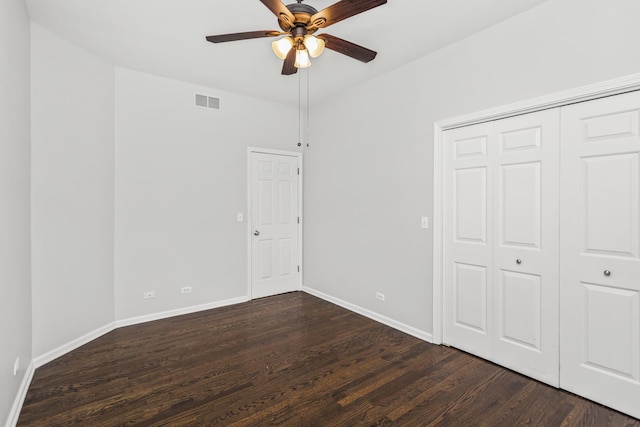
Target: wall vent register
204 101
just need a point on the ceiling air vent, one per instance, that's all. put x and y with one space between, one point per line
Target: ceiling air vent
205 101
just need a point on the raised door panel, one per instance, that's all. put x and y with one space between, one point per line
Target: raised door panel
470 205
470 287
520 205
611 333
521 309
610 195
600 302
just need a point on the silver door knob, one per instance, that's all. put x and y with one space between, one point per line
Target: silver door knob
518 261
607 273
256 233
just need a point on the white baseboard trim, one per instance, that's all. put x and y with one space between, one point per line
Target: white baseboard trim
179 312
49 356
425 336
14 413
78 342
72 345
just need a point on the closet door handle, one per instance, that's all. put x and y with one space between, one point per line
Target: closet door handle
518 261
256 233
607 273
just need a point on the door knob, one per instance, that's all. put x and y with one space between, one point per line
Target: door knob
256 233
607 273
518 261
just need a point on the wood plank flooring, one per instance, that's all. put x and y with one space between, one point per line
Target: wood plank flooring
293 360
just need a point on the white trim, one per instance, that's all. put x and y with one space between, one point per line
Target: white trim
49 356
559 99
420 334
276 152
14 413
179 312
437 236
298 156
572 96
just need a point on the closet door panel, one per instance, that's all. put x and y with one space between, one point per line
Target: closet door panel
468 237
526 303
600 274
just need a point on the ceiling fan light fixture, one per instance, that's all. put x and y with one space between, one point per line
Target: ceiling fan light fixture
302 59
282 47
314 45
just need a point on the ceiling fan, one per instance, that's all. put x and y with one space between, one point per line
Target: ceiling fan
298 23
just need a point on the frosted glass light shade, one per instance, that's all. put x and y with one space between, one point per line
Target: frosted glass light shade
282 47
302 59
314 45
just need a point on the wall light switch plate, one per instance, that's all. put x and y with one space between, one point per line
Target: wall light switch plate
424 223
240 217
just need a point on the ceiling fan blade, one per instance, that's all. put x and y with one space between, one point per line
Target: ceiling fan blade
347 48
289 68
242 36
280 10
342 10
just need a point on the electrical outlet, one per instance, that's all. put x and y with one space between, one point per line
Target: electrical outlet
186 289
149 294
16 366
380 296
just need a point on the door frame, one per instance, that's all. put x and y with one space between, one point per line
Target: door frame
298 156
585 93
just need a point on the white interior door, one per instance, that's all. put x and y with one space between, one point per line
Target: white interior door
274 224
468 239
525 258
600 273
500 240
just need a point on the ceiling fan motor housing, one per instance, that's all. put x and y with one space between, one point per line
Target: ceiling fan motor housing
302 14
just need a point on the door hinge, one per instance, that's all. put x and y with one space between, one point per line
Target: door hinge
298 269
298 220
298 171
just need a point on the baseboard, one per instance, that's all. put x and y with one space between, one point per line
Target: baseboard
72 345
179 312
78 342
425 336
14 413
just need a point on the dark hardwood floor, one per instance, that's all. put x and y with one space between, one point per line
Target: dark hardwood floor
294 360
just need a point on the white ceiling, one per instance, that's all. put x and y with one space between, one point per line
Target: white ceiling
167 38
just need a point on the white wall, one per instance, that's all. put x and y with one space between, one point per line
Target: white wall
362 225
15 270
180 181
72 191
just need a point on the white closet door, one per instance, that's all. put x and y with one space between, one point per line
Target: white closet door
600 273
501 206
468 239
526 329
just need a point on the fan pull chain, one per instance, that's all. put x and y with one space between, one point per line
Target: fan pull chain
308 102
300 137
